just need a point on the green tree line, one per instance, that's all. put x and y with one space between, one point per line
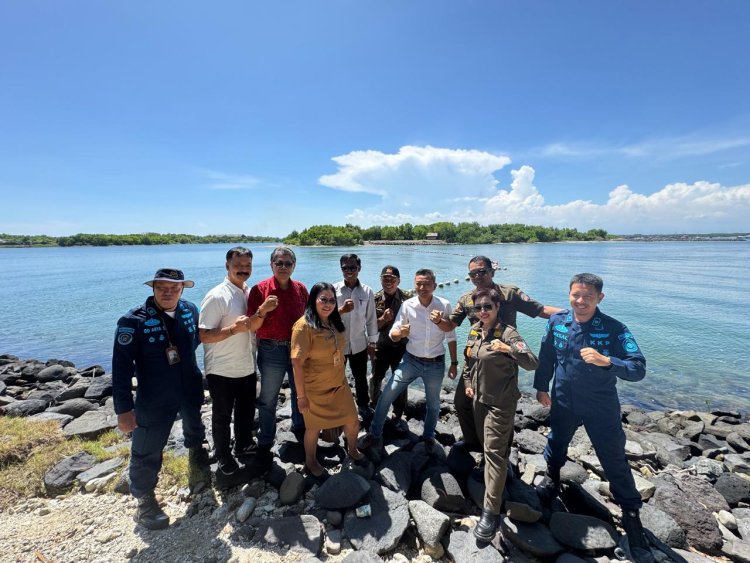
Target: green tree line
461 233
84 239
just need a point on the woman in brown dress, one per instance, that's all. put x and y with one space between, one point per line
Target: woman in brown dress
323 395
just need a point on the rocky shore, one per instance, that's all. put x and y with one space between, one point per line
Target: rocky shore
691 468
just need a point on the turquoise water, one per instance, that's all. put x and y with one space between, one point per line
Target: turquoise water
687 303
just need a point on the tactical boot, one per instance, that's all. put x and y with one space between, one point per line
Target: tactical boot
486 527
549 489
639 549
149 513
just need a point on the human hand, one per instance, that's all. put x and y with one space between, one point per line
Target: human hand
405 329
346 307
592 356
269 305
453 371
241 324
126 421
436 316
469 392
371 351
499 346
303 404
387 316
544 398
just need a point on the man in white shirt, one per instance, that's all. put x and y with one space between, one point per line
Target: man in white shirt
418 319
229 360
356 302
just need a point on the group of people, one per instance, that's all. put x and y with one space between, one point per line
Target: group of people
278 328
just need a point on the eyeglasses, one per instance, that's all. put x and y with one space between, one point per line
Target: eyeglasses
388 278
484 307
283 264
326 301
477 273
349 268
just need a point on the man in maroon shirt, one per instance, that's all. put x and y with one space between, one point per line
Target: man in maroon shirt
274 305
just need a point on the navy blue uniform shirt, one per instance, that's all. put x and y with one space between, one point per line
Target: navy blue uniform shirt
141 340
581 387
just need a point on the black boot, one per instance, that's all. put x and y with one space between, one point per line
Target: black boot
639 549
549 489
149 513
486 527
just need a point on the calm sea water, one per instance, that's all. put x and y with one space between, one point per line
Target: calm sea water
686 303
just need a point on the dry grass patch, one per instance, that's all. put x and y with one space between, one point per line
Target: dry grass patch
28 449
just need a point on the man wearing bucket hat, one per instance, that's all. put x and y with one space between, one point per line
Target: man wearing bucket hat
155 343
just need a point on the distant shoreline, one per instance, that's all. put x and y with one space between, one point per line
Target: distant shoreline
713 237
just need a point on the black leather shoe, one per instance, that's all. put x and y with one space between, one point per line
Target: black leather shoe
639 549
486 527
149 513
548 490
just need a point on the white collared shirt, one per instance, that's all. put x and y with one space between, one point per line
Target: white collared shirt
425 337
361 322
235 356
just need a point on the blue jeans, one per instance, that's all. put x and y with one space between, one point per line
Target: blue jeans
149 439
409 370
273 363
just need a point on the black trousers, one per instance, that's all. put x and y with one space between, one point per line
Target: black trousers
387 357
358 365
232 395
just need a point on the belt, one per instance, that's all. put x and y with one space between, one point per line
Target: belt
277 342
435 360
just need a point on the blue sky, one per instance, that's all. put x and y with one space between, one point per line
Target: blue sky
260 118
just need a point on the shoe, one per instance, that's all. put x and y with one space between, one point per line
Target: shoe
639 549
228 466
317 479
149 513
371 441
400 425
486 527
246 451
548 490
429 445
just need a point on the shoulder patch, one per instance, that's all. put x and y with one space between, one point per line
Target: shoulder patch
523 296
125 329
124 338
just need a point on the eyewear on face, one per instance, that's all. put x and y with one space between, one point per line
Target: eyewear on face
282 264
326 301
349 268
388 278
484 307
477 273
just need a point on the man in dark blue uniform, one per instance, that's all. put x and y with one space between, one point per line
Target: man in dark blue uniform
156 343
587 351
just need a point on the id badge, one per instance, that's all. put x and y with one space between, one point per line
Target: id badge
173 356
336 358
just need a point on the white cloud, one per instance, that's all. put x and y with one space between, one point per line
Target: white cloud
417 175
222 181
427 184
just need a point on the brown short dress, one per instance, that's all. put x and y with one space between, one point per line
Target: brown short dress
331 400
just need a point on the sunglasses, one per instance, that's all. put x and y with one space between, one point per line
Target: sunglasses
349 268
282 264
484 307
326 301
477 273
388 278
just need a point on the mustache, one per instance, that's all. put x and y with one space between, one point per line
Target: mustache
243 273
